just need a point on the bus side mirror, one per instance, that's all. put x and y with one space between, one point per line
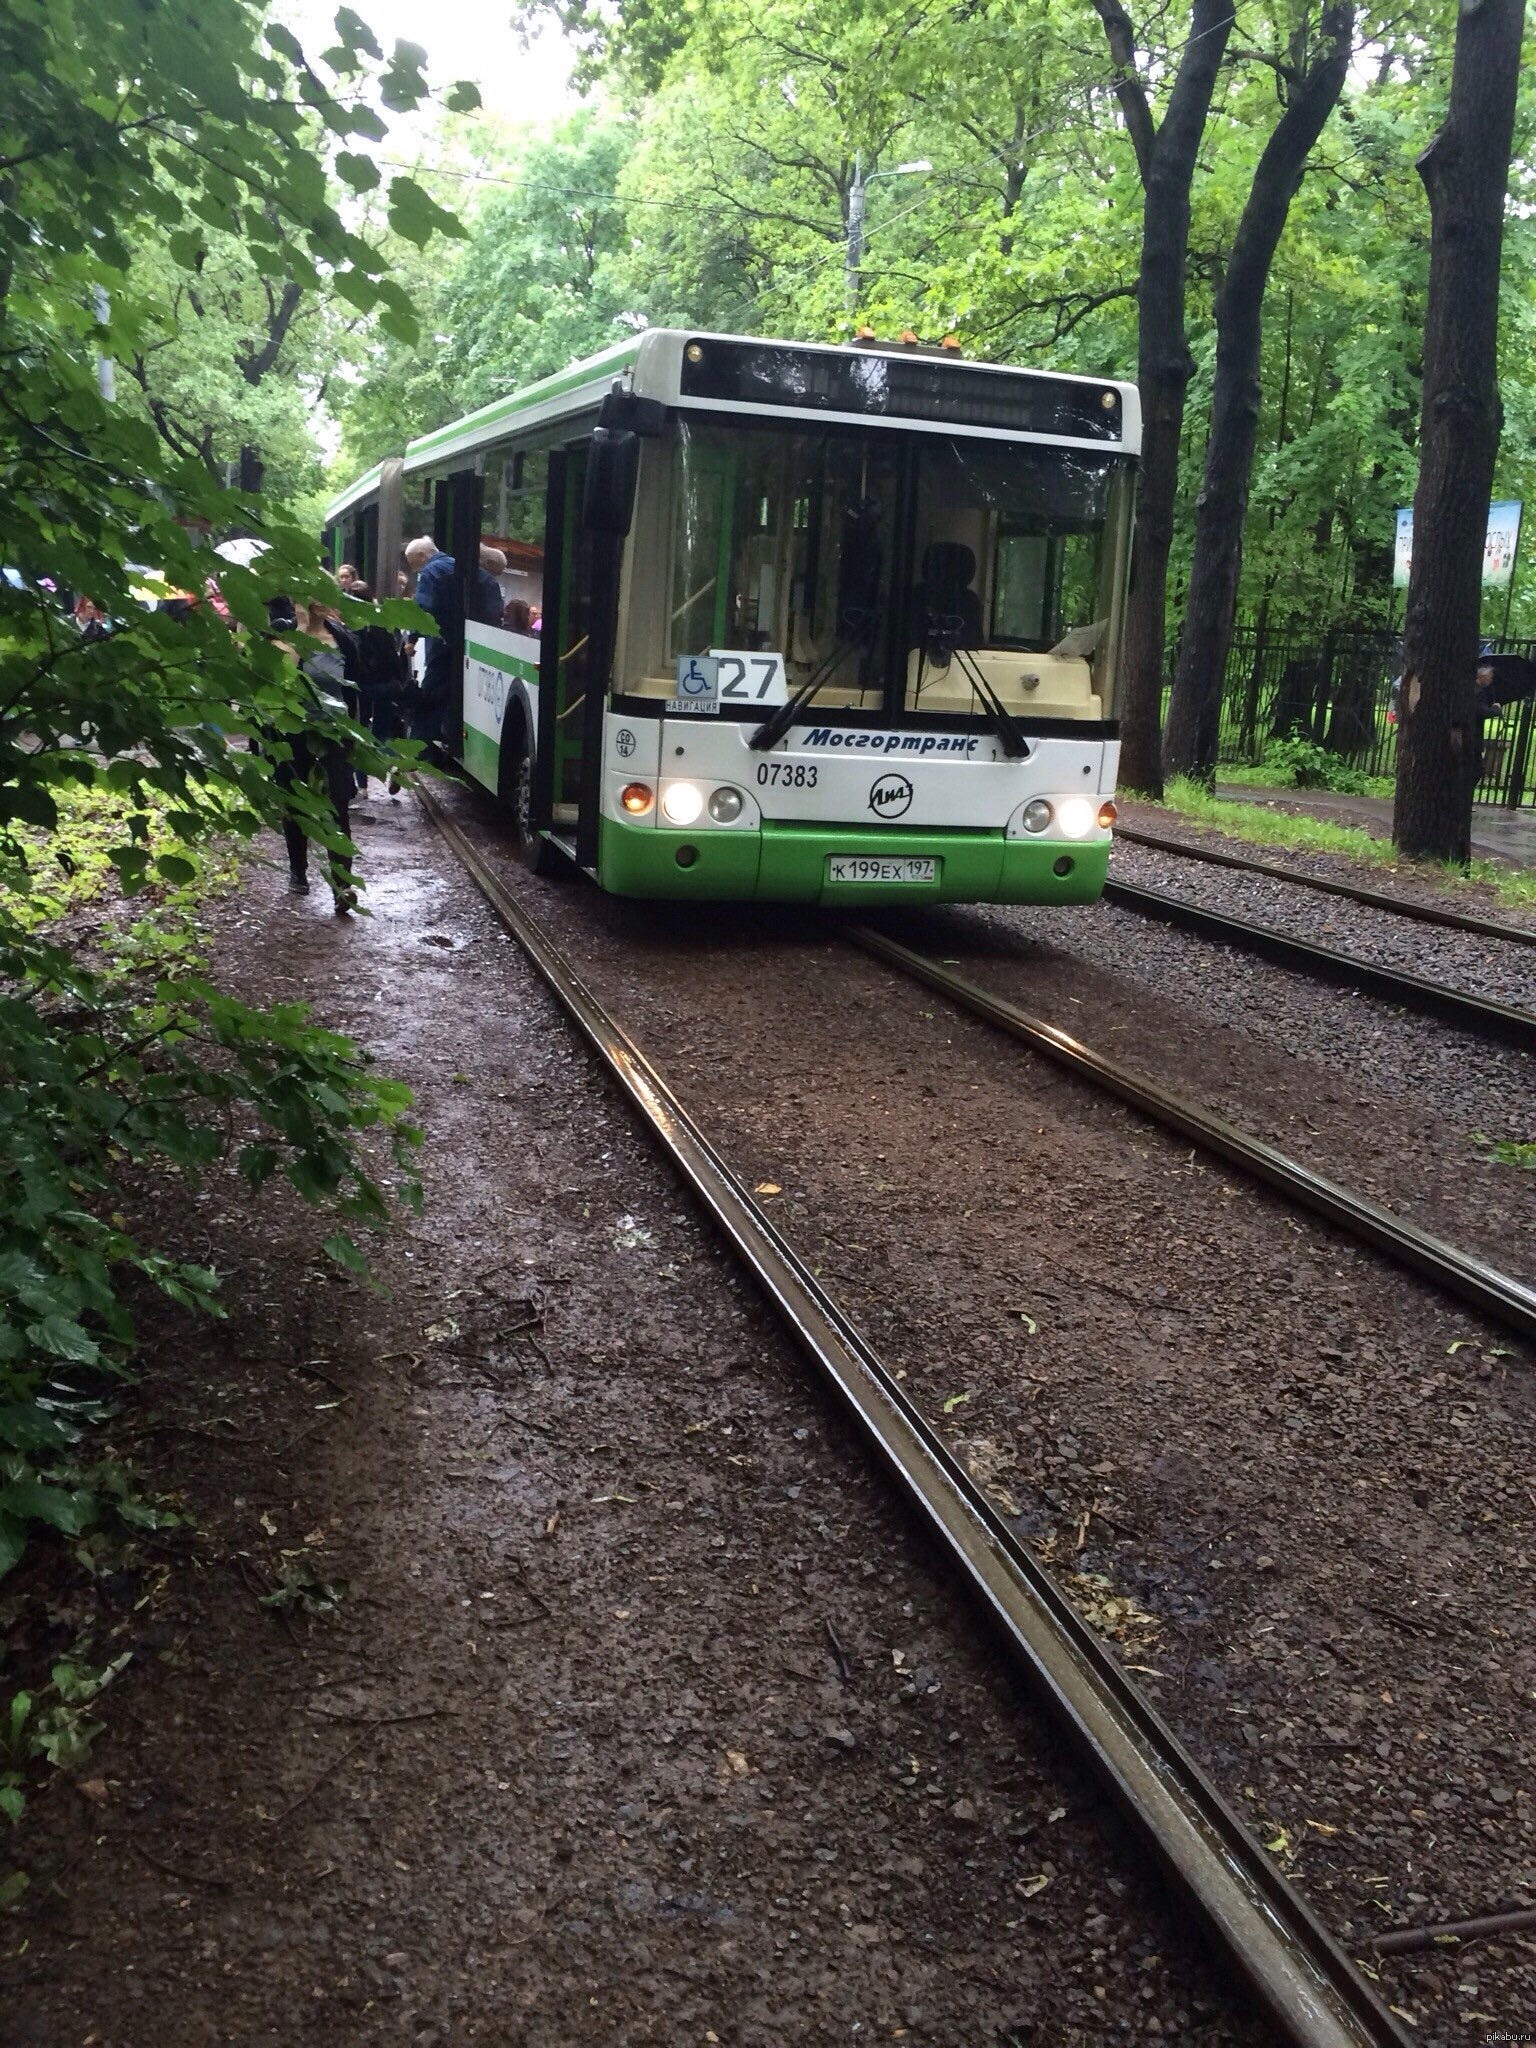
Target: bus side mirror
621 408
608 491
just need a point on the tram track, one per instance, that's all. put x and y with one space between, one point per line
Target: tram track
1501 1296
1353 892
1502 1023
1301 1978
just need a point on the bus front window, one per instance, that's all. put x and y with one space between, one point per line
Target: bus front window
1018 550
786 542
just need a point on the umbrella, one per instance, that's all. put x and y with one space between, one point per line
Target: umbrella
241 552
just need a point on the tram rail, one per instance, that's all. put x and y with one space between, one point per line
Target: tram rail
1479 1015
1499 1295
1303 1980
1327 885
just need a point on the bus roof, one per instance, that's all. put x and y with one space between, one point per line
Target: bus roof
877 385
364 487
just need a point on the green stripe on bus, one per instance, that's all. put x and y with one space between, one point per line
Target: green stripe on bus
348 497
521 401
482 757
513 664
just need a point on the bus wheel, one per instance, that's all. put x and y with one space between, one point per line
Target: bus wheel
536 852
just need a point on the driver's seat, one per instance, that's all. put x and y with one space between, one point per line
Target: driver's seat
948 609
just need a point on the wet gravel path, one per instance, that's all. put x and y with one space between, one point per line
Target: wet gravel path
1478 966
1296 1488
645 1716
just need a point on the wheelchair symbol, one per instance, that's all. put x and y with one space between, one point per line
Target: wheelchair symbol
698 677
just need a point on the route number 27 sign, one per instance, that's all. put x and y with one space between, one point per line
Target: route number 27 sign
729 676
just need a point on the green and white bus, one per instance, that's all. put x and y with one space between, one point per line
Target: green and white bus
782 620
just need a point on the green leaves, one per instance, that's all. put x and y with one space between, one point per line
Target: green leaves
360 172
61 1337
29 1500
416 215
355 34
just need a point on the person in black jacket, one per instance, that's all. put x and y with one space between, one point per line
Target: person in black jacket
375 667
319 760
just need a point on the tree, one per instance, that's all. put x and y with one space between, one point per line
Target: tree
1310 91
204 118
1166 153
227 361
1466 175
538 280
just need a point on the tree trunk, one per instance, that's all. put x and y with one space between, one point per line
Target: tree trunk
1194 709
252 469
1164 365
1465 172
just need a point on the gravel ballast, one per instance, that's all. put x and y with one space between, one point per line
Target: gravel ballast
1479 966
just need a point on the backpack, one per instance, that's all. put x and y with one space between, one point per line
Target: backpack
377 665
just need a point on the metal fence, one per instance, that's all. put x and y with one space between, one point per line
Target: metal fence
1337 692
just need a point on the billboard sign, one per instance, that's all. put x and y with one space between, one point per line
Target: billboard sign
1499 547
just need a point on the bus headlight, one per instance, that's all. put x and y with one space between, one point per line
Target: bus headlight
681 802
1037 815
1075 817
725 806
637 798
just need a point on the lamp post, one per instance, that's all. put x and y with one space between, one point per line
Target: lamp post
854 258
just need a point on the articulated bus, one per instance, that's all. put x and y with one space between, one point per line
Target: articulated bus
780 620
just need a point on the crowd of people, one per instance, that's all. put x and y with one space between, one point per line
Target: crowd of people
395 685
392 684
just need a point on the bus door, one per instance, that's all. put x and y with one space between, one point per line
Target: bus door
465 492
570 714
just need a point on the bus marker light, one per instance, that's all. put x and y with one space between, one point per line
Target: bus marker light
725 806
1075 816
1108 812
636 797
681 802
1037 815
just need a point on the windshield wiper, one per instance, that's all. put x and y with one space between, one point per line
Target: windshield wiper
778 721
1015 746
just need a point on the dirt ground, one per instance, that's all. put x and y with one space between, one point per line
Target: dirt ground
641 1716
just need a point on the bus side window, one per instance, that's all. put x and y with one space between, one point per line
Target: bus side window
512 542
1019 587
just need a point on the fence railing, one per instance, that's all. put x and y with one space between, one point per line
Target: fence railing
1336 691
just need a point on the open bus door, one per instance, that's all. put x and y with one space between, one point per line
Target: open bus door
568 757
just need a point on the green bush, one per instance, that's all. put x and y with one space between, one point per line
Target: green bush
1296 763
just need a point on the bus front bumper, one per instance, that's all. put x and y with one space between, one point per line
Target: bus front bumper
791 864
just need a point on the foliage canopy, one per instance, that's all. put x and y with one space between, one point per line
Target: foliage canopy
138 147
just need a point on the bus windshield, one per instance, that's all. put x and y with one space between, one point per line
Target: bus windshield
885 557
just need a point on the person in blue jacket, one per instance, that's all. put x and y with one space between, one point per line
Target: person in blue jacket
437 592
